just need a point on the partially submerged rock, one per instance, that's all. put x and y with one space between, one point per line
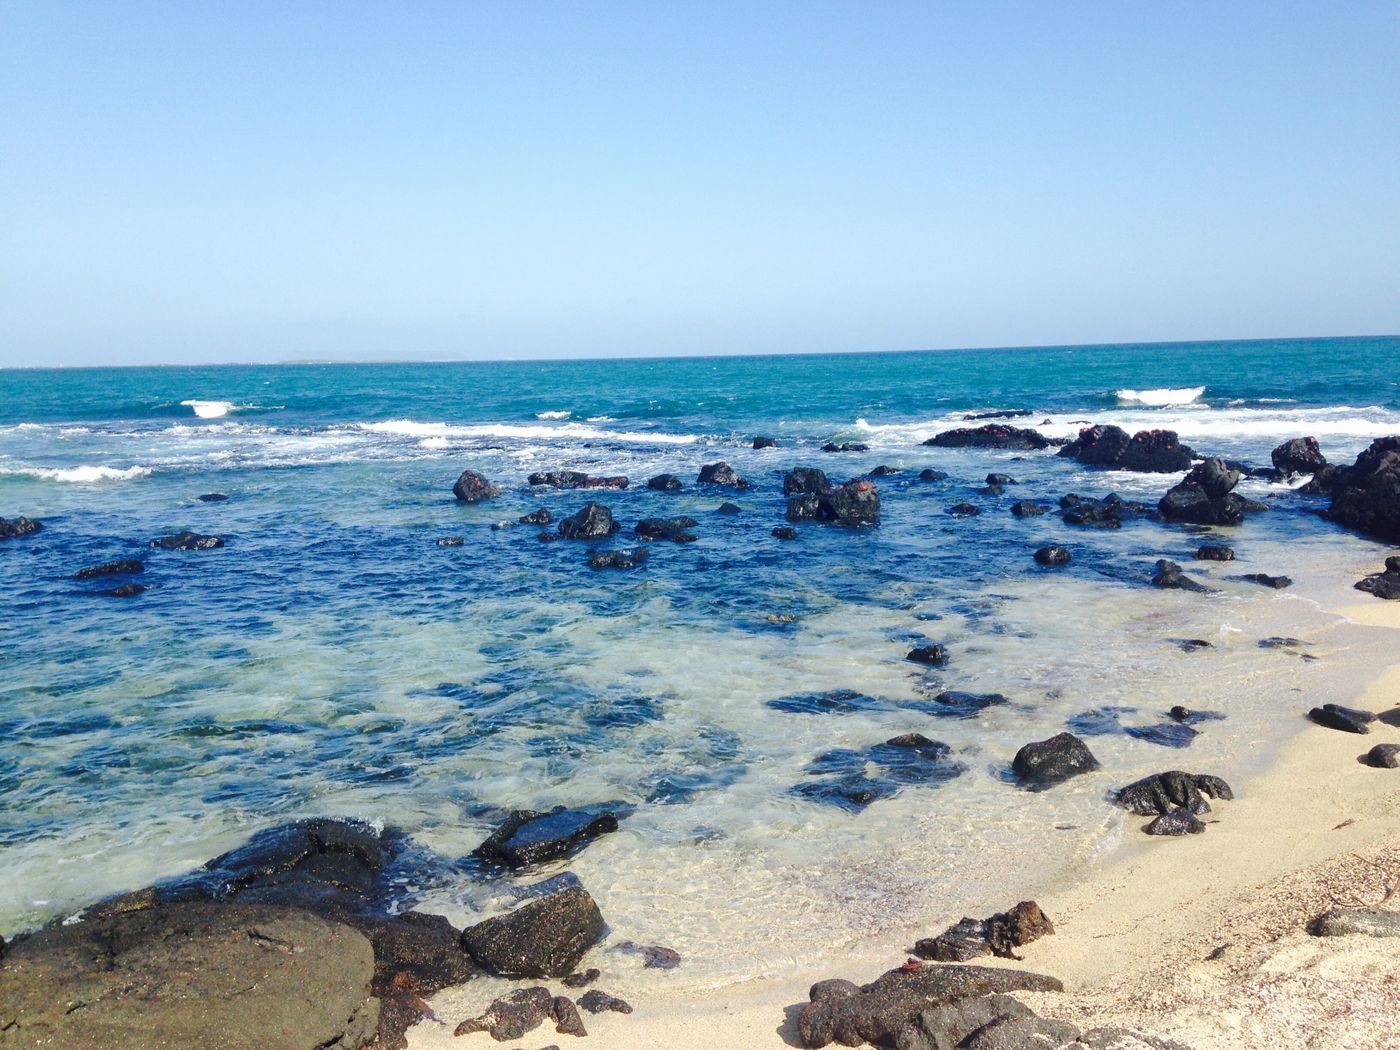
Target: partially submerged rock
186 541
1053 556
1166 792
845 446
1277 583
472 487
1168 575
546 937
665 483
1045 762
1176 822
1214 552
763 441
721 473
1204 497
534 837
1151 451
575 479
593 522
1299 456
121 567
13 528
1028 509
673 529
992 435
934 655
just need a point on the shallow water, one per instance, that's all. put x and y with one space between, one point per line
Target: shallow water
331 659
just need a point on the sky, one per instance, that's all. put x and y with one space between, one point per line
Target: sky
196 182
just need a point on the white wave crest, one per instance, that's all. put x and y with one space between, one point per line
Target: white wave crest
1180 395
524 432
210 409
75 474
559 414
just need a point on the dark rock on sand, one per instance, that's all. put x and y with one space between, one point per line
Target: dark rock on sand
582 979
721 473
1053 556
784 532
673 529
1205 496
236 976
1046 762
1215 552
1175 822
845 446
948 1026
993 435
1165 792
13 528
534 837
1368 922
546 937
764 442
1169 576
998 935
597 1002
1020 1032
628 558
877 1012
929 655
1278 583
1384 756
472 487
802 480
123 567
665 483
1299 456
212 497
1346 719
1028 509
186 541
1151 451
510 1017
1384 584
964 510
929 474
566 1017
592 522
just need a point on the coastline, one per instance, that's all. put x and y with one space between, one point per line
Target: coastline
1316 829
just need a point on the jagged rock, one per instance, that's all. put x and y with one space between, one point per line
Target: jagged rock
533 837
1169 576
1053 556
471 487
566 1017
1215 552
574 479
805 507
1384 756
582 979
521 1011
1151 451
721 473
1205 497
186 541
929 474
1347 719
665 483
12 528
1028 509
124 567
965 939
876 1012
1384 584
802 480
784 532
596 1002
1166 792
945 1027
592 522
1175 822
1278 583
628 558
1020 1033
1299 456
1344 922
451 541
764 442
964 510
852 505
673 529
999 935
929 655
1045 762
546 937
992 435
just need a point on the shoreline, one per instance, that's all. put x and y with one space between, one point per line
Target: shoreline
1315 829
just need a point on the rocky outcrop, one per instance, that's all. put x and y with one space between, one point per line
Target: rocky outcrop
1053 556
186 541
998 935
805 481
534 837
878 1012
13 528
546 937
1046 762
1172 790
665 483
472 487
1299 456
1205 496
574 479
122 567
1149 451
1367 495
593 522
1385 584
992 435
721 473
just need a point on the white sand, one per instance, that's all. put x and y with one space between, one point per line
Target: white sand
1318 829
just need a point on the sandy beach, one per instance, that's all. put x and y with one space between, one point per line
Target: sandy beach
1201 939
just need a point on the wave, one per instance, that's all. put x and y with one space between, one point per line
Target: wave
83 474
1167 395
559 414
210 409
568 432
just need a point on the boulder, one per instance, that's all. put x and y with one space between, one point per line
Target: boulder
673 529
802 480
537 517
546 937
665 483
992 435
1168 575
1028 509
573 479
1172 790
12 528
1149 451
1175 822
532 837
806 507
784 532
1204 497
1053 556
1299 456
764 442
964 510
186 541
845 446
471 487
1045 762
619 559
852 505
1384 756
879 1011
1214 552
1001 479
929 474
1367 922
592 522
1346 719
883 471
1384 584
123 567
721 473
522 1010
929 655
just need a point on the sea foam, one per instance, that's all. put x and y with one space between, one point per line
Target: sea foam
1179 395
82 474
210 409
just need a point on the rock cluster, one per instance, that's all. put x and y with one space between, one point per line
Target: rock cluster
1205 497
1150 451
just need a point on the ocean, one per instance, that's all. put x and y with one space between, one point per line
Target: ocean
333 659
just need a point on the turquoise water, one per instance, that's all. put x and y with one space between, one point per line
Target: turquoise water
332 659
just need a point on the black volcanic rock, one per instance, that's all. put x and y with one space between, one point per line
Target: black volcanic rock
1346 719
1028 509
1046 762
1367 496
1278 583
1153 451
1053 556
721 473
1205 497
531 837
123 567
784 532
546 937
1165 792
852 505
804 480
845 446
665 483
929 655
573 479
764 442
618 559
1214 552
1299 456
472 487
992 435
1169 576
186 541
929 474
13 528
673 529
537 517
592 522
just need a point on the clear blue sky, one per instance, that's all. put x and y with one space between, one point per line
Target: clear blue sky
244 181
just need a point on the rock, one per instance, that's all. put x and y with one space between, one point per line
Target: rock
592 522
802 480
13 528
532 837
784 532
1001 480
992 435
721 474
1385 584
878 1011
1176 822
195 974
1151 451
964 510
523 1010
546 937
186 541
582 979
574 479
471 487
806 507
451 541
124 567
945 1027
537 517
883 471
1205 497
853 505
629 558
654 956
968 704
1384 756
1107 513
1191 645
566 1017
965 939
1326 482
673 529
729 508
1027 509
1278 583
845 446
929 474
1347 719
1046 762
596 1002
1299 456
929 655
665 483
125 590
1172 790
1215 552
903 760
1020 1033
1344 922
764 442
1008 413
1053 556
1169 576
998 935
212 497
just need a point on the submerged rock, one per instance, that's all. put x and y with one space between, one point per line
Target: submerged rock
673 529
1169 576
900 762
1204 497
122 567
212 497
593 522
721 473
665 483
1278 583
546 937
629 558
125 590
992 435
450 541
784 532
1046 762
929 474
1053 556
186 541
1214 552
13 528
964 510
966 705
533 837
729 508
883 471
472 487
